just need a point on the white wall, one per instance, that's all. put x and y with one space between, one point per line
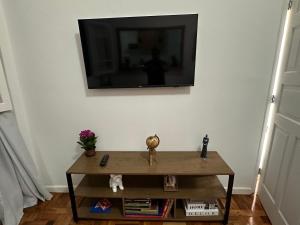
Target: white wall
235 54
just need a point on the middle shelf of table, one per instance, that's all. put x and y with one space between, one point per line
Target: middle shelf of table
151 186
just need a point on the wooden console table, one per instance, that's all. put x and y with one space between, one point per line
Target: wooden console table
197 179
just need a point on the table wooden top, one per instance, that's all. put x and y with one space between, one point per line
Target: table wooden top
136 163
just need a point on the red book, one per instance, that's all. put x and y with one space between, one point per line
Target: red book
171 202
166 205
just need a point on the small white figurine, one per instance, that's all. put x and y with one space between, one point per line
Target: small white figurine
171 181
115 181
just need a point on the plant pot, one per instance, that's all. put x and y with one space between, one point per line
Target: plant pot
90 153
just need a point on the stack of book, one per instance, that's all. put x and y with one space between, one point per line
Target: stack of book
200 208
142 208
150 208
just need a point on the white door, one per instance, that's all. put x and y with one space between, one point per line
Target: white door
280 189
4 95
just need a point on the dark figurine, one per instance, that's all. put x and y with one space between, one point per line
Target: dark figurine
204 148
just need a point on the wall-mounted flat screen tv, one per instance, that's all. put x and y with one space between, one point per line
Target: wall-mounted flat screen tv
130 52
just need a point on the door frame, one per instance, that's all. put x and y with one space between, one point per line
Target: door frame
266 133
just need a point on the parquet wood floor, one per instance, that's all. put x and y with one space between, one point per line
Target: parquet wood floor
58 212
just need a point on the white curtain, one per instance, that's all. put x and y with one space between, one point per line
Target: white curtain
19 184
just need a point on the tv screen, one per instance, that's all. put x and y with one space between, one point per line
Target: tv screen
152 51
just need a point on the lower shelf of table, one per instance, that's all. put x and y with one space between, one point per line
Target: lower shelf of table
117 213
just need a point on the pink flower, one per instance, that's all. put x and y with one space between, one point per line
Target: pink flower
86 134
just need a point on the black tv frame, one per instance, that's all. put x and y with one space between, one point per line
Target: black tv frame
85 48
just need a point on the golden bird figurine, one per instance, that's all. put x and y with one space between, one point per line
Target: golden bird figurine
152 142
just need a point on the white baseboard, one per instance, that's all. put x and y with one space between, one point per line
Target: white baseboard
57 188
64 189
242 190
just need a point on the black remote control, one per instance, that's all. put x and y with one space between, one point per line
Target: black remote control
104 160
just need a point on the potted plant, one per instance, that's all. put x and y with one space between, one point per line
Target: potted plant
88 142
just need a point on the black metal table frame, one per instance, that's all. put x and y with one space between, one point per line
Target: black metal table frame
227 203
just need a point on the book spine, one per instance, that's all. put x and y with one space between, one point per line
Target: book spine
165 208
169 208
194 206
200 205
205 212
